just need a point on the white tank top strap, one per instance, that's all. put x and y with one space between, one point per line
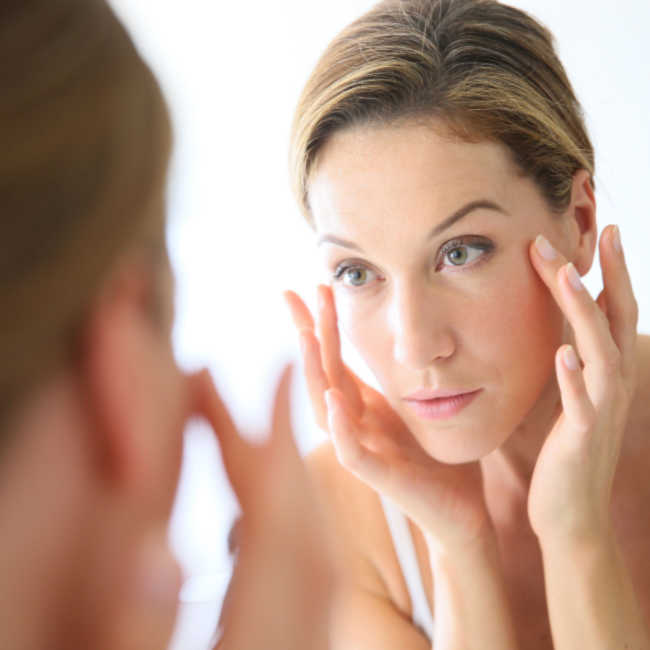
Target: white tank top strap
405 551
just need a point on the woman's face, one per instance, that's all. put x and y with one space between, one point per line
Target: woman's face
425 239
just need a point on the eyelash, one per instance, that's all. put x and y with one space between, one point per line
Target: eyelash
481 244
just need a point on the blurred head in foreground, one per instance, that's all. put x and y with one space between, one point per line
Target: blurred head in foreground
92 404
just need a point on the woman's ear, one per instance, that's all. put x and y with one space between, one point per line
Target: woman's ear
582 221
116 366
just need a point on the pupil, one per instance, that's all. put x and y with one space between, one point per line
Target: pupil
458 256
357 276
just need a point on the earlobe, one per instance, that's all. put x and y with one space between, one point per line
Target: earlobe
583 216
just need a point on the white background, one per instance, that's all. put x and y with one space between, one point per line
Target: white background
232 72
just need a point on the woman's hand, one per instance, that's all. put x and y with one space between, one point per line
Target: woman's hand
571 487
279 595
372 442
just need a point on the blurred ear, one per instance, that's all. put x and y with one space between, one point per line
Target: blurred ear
119 344
582 221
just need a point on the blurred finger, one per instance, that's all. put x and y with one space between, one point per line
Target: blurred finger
234 449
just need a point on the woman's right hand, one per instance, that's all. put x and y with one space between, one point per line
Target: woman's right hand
279 595
372 441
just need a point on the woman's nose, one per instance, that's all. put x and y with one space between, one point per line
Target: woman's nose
421 332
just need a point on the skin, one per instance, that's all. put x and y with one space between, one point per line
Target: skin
90 471
498 475
469 344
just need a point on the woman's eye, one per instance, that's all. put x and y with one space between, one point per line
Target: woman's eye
458 254
354 276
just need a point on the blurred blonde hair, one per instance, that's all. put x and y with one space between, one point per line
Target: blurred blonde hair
487 71
86 139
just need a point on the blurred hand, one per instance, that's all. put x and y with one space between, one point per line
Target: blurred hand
280 591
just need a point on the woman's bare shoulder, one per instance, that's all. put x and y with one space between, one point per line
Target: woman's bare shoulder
357 517
354 505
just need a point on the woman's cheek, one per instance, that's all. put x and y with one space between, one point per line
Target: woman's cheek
526 329
362 323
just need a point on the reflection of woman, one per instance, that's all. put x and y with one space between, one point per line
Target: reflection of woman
433 143
92 403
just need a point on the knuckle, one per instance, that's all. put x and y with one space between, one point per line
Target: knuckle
583 425
612 361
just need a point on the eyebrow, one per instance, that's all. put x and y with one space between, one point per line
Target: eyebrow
482 204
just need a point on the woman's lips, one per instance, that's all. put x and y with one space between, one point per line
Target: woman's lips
440 408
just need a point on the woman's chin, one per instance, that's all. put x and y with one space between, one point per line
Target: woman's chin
457 445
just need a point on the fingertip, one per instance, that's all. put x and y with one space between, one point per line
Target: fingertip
609 235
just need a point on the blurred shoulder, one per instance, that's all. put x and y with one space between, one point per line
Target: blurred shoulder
354 503
357 517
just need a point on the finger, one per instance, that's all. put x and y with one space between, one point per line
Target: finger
622 309
328 332
601 301
236 452
591 328
356 458
300 313
317 382
576 405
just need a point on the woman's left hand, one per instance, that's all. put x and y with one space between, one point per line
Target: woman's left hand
571 486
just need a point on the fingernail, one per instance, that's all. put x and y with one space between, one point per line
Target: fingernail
574 277
544 248
570 358
616 240
320 298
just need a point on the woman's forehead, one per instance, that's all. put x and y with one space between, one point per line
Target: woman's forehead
406 174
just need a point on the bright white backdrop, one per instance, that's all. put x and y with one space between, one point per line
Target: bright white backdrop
232 72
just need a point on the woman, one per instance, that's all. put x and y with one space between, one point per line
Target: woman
496 489
92 403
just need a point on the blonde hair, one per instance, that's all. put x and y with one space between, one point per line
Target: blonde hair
487 71
86 139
